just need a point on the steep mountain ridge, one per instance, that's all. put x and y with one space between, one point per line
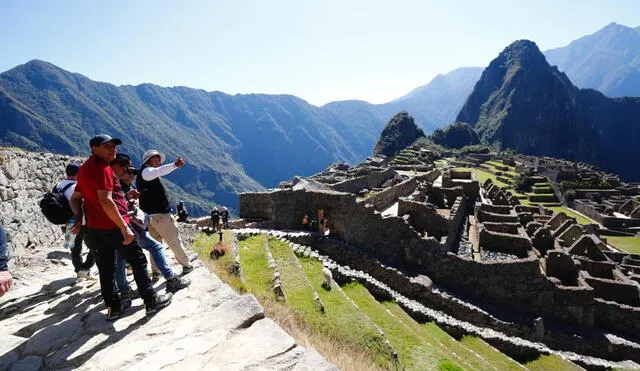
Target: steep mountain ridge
231 143
607 60
521 102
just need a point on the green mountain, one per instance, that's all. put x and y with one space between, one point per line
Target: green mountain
521 102
399 133
608 60
231 143
456 135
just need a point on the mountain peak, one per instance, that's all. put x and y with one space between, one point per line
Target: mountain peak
522 52
399 133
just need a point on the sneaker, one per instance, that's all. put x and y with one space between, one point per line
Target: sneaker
129 295
187 270
155 277
113 314
85 274
161 301
176 283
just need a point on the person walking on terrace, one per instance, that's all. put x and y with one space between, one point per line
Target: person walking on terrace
73 241
225 217
155 202
5 277
108 228
215 218
122 169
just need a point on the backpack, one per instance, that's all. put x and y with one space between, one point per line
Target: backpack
55 206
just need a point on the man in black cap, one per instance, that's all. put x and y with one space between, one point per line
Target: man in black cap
108 228
73 241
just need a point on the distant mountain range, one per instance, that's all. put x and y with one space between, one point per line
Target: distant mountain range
523 103
248 142
231 143
608 60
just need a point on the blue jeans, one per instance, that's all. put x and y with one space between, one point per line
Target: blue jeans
154 247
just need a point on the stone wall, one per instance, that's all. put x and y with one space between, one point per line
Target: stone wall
424 218
520 285
372 180
606 221
24 178
385 198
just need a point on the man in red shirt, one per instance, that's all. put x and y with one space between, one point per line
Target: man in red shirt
108 228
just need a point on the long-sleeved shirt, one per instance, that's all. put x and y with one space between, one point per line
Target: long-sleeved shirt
4 253
151 173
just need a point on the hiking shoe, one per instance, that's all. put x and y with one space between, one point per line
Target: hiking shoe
187 270
85 274
161 301
155 277
113 314
176 283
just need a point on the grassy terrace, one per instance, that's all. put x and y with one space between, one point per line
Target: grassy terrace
629 244
352 328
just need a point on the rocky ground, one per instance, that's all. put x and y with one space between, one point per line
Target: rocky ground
50 320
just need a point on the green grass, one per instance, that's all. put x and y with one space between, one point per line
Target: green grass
628 244
413 351
474 351
341 316
482 175
255 266
550 363
298 293
579 218
499 360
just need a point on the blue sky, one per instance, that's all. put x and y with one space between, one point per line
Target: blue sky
320 50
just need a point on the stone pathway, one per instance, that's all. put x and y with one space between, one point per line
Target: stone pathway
53 321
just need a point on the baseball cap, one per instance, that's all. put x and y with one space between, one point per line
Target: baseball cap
102 139
122 160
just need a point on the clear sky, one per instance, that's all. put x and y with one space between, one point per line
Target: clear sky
319 50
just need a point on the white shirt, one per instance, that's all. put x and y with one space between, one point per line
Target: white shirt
151 173
69 190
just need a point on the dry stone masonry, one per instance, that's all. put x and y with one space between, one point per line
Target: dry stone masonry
475 254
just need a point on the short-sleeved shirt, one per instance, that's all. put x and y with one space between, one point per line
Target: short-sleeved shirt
95 175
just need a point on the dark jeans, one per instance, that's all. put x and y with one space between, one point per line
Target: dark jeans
73 242
103 243
76 253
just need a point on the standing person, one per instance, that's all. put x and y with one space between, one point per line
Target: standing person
155 202
108 230
122 169
215 218
5 277
225 218
73 241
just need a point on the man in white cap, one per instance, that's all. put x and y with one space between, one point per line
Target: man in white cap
154 201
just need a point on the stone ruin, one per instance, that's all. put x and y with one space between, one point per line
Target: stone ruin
520 265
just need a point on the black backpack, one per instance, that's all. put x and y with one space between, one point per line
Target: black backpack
55 206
